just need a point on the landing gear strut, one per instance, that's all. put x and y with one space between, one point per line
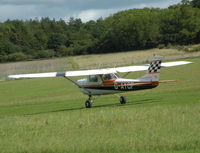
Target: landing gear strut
88 103
122 100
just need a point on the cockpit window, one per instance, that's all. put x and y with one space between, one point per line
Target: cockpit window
109 76
93 78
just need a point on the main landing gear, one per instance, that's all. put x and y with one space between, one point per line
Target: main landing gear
88 103
122 100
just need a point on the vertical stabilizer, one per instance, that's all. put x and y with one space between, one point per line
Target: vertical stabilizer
153 72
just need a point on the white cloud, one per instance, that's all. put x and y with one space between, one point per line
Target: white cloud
94 14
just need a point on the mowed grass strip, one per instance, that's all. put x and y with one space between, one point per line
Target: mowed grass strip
48 115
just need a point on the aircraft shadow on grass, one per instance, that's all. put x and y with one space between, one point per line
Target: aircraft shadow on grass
138 102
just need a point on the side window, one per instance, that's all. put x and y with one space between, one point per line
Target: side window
93 78
107 77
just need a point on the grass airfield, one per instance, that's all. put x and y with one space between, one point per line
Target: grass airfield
48 116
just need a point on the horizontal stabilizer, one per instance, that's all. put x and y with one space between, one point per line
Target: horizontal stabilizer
166 81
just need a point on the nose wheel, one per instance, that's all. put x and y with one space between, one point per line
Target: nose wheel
88 103
122 100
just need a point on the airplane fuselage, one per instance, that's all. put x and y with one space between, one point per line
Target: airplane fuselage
114 86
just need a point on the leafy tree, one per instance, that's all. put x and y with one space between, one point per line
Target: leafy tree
185 2
56 40
196 3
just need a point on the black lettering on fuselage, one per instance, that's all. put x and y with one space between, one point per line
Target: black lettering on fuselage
123 86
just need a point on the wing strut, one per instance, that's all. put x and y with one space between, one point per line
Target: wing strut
72 81
77 84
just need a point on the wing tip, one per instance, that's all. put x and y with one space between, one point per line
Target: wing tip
13 77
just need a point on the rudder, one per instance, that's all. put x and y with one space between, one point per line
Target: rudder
153 72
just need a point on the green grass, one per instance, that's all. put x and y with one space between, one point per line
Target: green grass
48 116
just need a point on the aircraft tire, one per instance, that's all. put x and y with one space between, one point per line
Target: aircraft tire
122 100
88 104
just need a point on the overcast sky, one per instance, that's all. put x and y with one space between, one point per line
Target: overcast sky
84 9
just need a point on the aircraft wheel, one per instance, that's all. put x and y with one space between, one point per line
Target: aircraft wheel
122 100
88 104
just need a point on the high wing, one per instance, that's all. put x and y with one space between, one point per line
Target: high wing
177 63
145 67
95 72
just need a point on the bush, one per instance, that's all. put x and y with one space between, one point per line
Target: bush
63 51
161 46
3 58
44 54
180 48
196 49
18 56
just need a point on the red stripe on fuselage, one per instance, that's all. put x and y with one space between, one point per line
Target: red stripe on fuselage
111 83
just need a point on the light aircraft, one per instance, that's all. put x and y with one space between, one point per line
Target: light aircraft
107 81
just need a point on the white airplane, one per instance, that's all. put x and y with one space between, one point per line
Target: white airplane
107 81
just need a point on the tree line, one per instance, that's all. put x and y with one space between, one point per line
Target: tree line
132 29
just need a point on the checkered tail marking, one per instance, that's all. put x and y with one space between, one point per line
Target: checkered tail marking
155 67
